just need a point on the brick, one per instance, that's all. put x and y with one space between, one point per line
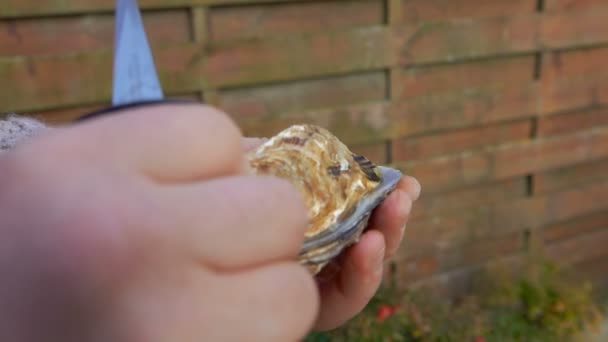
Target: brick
422 10
43 36
268 101
567 29
459 140
569 177
425 80
574 227
572 121
452 40
257 21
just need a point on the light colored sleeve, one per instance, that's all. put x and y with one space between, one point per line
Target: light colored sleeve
15 129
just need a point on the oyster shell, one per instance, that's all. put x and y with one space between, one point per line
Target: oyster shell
340 188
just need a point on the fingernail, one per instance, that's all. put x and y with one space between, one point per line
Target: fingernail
414 189
417 190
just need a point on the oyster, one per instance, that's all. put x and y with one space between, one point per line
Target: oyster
339 187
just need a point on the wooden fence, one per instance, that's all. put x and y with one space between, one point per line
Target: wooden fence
498 107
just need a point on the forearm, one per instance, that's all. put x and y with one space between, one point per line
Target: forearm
15 129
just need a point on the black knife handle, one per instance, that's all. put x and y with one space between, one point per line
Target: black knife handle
119 108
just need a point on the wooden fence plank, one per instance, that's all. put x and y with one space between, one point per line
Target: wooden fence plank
570 122
190 67
48 36
423 80
567 29
451 40
571 176
576 226
269 101
472 196
499 219
471 138
509 160
263 20
30 8
422 10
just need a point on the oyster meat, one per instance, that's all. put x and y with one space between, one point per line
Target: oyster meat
339 187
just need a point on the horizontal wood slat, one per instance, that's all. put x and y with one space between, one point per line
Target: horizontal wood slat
500 219
509 160
262 21
189 67
422 10
30 8
57 36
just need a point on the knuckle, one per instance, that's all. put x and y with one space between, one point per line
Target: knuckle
215 120
292 202
220 129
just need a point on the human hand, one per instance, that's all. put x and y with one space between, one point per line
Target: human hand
347 285
144 227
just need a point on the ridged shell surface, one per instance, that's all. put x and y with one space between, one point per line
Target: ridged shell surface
332 180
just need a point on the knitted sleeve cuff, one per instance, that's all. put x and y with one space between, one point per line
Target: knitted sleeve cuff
15 129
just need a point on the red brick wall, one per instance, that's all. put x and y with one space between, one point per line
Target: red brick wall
500 108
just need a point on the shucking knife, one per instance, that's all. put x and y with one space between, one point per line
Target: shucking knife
135 80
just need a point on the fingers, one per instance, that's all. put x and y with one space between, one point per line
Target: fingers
391 216
390 219
277 303
166 143
272 303
357 282
234 222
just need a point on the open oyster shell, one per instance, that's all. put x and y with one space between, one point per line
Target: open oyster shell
339 187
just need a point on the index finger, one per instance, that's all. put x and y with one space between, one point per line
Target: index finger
233 222
167 143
